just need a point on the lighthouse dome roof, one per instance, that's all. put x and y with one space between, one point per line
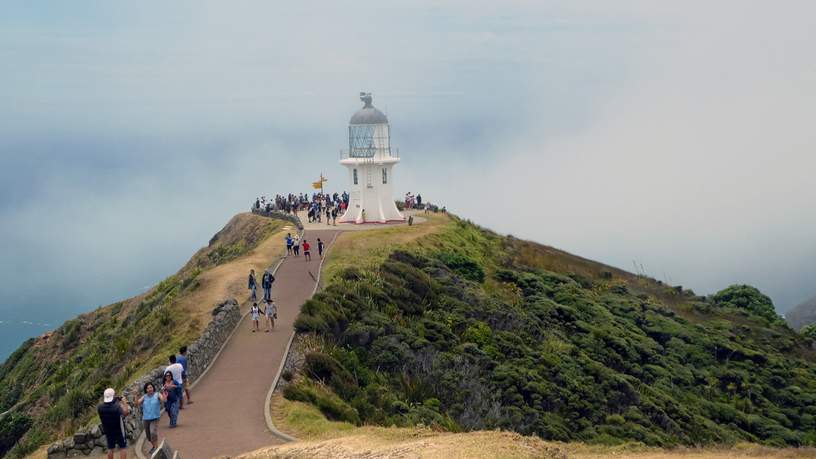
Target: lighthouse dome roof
368 114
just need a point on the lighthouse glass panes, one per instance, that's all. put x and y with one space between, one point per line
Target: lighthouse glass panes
366 139
385 176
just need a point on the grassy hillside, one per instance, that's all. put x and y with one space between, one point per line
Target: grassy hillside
462 329
54 381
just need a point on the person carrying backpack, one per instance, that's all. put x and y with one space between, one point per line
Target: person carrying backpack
266 283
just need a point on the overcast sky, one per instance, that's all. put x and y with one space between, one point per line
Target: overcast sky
677 136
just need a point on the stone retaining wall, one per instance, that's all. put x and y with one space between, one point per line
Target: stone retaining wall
279 215
200 354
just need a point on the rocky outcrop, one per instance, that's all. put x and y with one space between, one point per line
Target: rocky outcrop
280 216
200 355
803 314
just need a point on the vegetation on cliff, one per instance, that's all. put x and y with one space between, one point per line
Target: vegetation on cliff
54 381
465 330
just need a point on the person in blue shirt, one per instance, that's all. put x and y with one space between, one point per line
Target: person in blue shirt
182 359
289 243
151 412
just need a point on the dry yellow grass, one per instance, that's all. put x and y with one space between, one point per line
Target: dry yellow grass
374 443
367 248
743 450
229 280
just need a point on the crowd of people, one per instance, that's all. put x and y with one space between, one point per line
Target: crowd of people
172 393
317 205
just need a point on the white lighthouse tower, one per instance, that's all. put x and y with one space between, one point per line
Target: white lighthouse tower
370 163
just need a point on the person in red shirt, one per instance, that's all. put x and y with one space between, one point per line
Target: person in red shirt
307 254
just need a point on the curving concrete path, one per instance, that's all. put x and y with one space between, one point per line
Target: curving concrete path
227 416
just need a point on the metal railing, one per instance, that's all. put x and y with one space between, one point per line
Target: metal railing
386 153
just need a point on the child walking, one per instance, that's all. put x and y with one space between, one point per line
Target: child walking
255 312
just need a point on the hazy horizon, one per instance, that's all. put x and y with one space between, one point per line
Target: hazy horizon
674 137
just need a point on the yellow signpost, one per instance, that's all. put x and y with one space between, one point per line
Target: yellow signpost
318 185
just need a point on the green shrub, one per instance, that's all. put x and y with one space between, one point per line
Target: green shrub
328 370
745 297
329 404
12 427
462 265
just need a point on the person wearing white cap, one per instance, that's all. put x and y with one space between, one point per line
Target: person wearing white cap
111 413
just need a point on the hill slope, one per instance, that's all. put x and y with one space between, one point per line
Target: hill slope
802 315
466 330
54 381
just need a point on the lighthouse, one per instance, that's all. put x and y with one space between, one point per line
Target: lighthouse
370 162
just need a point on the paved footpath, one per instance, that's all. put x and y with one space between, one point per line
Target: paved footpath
227 416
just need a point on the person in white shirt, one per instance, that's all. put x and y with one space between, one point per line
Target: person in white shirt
255 312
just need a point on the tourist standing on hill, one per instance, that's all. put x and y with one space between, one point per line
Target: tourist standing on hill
182 359
266 283
255 312
252 285
111 413
289 243
151 412
271 313
307 253
170 394
320 247
334 216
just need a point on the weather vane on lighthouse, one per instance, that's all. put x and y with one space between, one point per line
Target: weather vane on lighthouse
370 162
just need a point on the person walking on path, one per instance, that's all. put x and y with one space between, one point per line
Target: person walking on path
112 412
255 312
177 370
320 246
266 283
151 412
182 359
289 243
271 313
307 252
170 394
252 285
296 246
